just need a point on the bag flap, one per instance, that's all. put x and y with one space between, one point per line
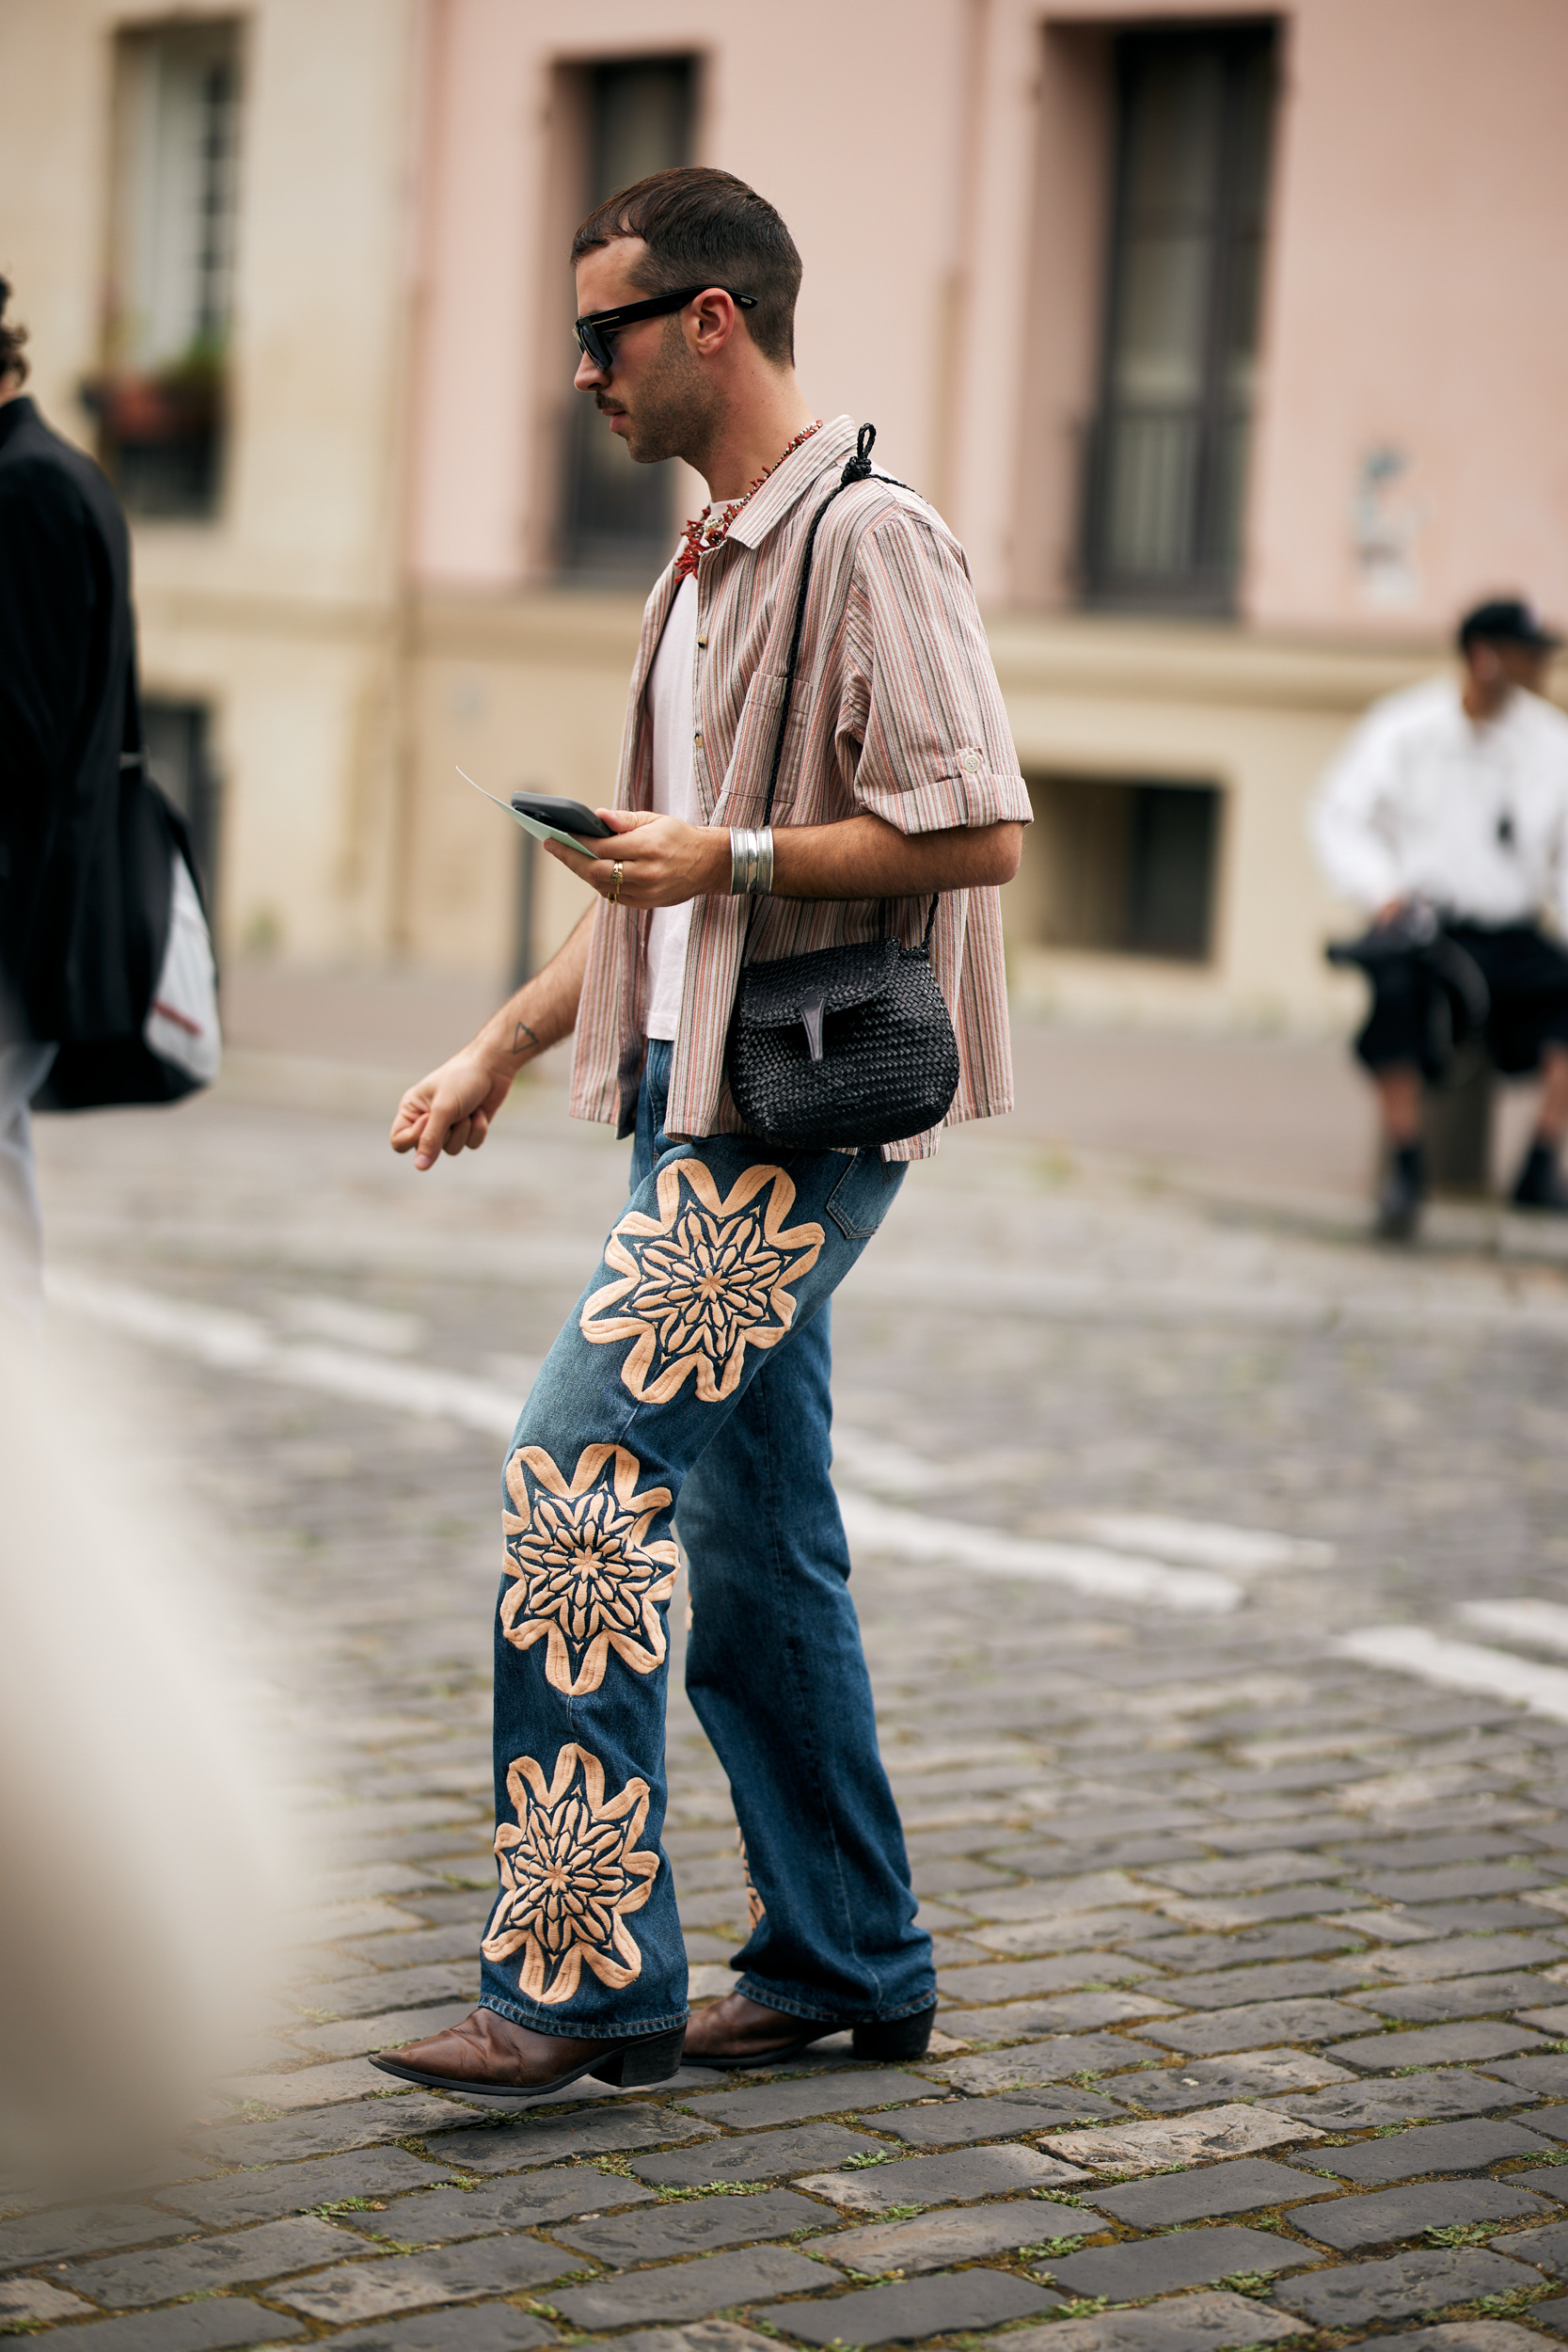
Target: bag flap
772 995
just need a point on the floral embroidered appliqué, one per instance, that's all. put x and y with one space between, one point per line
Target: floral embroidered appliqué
569 1877
587 1578
703 1280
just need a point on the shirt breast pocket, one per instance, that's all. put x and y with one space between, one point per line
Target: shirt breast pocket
745 788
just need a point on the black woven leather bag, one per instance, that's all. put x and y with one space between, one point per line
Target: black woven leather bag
843 1048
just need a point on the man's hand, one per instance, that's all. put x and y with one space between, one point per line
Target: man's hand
664 861
450 1110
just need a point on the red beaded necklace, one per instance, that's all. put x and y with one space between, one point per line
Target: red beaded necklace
707 530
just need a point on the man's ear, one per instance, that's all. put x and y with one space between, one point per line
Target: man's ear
712 321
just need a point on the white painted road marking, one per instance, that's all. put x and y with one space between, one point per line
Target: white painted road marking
238 1342
1411 1649
1083 1569
888 1468
245 1343
884 1465
1206 1543
321 1317
1541 1622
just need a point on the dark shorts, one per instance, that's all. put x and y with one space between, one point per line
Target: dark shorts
1527 975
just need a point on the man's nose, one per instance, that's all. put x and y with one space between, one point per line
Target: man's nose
589 377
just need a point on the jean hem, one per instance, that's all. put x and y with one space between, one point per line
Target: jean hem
790 2003
916 2008
580 2030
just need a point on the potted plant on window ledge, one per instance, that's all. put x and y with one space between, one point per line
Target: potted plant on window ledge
161 429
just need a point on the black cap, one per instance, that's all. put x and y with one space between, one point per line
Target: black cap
1507 621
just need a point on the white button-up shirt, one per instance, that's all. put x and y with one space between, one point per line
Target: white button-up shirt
1425 801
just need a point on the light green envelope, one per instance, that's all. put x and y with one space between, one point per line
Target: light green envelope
534 825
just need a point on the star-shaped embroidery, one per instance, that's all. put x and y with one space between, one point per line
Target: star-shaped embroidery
588 1579
701 1281
569 1877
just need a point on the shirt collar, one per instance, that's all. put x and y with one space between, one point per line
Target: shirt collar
787 484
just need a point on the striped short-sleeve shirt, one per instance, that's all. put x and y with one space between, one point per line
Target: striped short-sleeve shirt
896 710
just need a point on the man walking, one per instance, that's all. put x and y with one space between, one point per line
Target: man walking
1447 812
691 1381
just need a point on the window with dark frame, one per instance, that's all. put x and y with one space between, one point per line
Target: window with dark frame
160 399
177 737
617 523
1168 446
1125 866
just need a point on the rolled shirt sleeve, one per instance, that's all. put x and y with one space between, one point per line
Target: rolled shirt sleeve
920 697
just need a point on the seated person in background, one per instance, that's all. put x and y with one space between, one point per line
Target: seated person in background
1454 795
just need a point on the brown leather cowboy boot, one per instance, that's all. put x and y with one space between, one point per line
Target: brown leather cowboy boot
489 2055
737 2032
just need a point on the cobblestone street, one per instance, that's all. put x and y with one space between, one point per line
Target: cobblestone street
1210 1564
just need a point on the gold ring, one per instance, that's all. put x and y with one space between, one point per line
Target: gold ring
615 883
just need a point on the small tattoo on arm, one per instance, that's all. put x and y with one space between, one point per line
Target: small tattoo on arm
522 1035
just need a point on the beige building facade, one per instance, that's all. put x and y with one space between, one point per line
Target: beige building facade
1223 339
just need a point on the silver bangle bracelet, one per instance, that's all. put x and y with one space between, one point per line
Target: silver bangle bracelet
750 861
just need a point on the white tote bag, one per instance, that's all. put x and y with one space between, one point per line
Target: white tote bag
181 1026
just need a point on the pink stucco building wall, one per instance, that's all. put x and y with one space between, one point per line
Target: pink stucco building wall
377 598
1414 303
945 177
841 117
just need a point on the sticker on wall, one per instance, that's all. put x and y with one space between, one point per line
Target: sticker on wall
1385 526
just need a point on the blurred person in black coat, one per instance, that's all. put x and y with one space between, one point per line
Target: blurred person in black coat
69 728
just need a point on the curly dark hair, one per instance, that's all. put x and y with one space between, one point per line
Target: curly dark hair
13 360
702 225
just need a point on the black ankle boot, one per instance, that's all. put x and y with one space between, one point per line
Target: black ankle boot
1404 1187
895 2038
1540 1183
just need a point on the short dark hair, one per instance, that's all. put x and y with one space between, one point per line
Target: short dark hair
699 224
13 360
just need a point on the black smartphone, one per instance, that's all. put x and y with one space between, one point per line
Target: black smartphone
567 815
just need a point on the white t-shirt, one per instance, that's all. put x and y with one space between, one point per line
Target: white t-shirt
672 685
1472 815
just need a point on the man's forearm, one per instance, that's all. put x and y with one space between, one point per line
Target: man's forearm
864 857
544 1009
662 862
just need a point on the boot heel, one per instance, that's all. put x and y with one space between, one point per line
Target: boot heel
897 2037
652 2059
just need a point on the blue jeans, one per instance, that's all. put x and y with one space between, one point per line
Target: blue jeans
690 1387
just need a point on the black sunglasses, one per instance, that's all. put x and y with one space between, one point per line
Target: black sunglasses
595 331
